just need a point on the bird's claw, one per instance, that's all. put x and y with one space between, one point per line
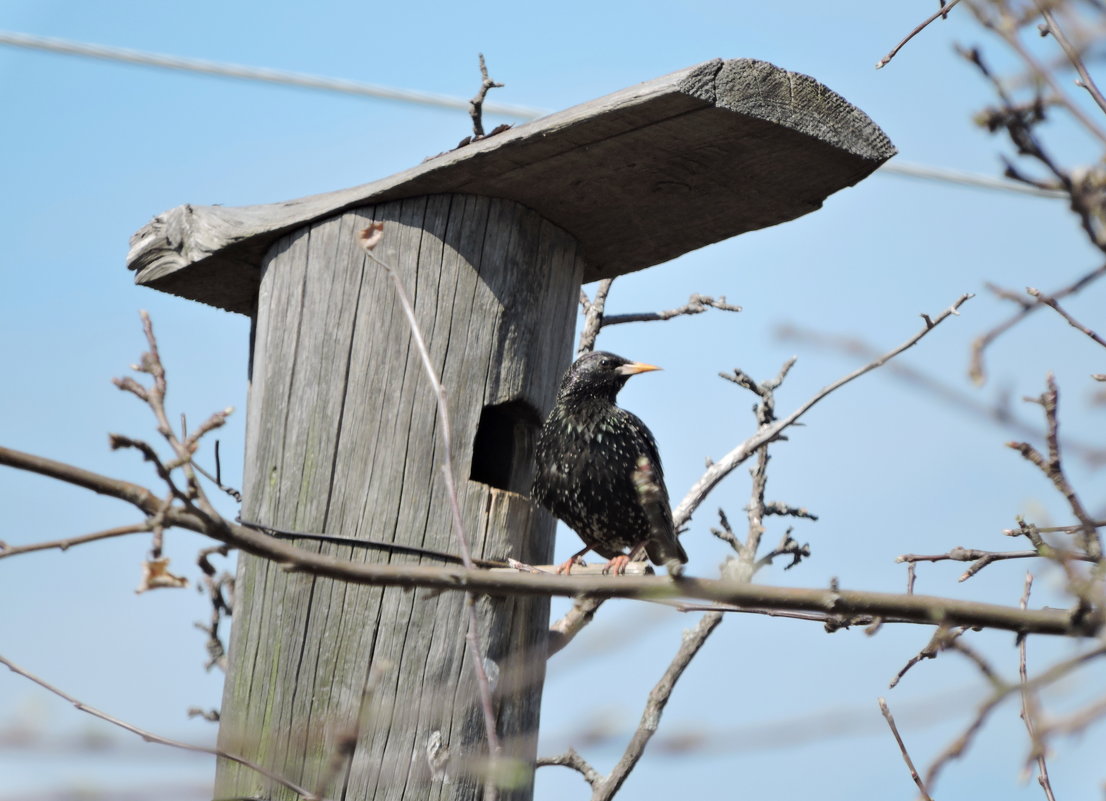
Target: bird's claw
617 565
568 564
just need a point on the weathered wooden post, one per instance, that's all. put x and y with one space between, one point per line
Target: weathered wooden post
492 242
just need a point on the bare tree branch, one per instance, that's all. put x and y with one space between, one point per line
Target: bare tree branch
1030 713
1083 187
979 344
724 466
902 748
572 759
1007 28
1053 469
995 412
220 592
1085 80
997 696
979 558
942 12
940 640
562 631
696 304
957 644
593 315
912 608
1055 306
476 105
368 238
693 640
1077 722
150 737
745 565
67 543
596 318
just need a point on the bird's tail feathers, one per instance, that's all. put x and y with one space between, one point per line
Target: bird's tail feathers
670 554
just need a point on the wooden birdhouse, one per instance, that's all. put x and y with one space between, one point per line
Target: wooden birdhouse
492 242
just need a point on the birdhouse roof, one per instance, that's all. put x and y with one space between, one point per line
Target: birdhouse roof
637 177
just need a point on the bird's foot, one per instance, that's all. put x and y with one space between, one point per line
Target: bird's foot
572 561
617 565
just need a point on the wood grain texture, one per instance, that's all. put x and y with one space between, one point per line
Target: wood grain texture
637 177
343 438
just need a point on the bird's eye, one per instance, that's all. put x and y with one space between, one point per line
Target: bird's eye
607 364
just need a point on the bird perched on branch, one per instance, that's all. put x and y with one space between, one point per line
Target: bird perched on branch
599 471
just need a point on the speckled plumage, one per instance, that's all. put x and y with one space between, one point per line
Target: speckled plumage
587 455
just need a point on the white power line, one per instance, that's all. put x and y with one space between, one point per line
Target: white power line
255 74
129 56
948 176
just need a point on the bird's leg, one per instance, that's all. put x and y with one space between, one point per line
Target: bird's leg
566 568
617 565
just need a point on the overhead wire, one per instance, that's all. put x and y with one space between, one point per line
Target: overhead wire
286 78
305 81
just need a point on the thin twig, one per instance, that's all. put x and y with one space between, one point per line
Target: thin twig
1055 306
220 591
192 495
1009 34
978 660
150 737
1019 121
1010 532
726 533
1061 556
67 543
724 466
476 105
1000 693
1029 714
981 559
593 315
1085 80
746 564
1079 721
369 237
937 642
942 12
572 759
902 749
996 412
572 622
693 640
696 304
975 368
1053 468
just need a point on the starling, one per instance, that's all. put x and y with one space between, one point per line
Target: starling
598 468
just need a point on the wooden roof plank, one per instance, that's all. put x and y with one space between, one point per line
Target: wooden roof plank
638 177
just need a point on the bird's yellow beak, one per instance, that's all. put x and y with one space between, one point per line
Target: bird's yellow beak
633 368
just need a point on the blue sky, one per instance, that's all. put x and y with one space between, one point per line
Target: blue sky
92 150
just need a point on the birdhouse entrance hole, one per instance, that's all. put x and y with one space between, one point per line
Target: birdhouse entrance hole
503 451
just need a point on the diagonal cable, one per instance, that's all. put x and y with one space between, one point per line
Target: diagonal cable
286 78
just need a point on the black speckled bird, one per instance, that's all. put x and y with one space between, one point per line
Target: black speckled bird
599 471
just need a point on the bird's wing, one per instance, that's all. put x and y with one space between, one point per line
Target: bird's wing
662 546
